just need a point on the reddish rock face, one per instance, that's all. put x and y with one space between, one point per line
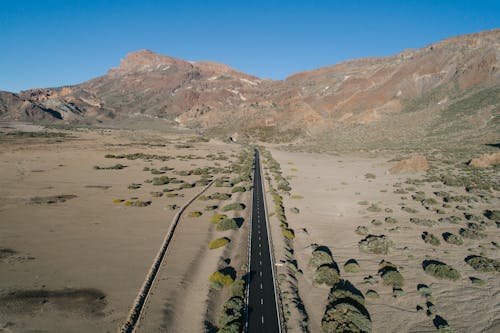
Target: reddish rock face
205 95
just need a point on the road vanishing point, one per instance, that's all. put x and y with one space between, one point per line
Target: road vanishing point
262 311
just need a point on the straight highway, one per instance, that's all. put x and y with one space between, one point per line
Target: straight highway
262 312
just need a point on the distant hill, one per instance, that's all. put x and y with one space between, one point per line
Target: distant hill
448 89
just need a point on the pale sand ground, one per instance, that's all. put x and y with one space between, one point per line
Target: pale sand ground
90 242
332 186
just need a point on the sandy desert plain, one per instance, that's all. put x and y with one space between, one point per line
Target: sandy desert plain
83 213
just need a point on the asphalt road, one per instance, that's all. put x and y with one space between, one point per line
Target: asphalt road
262 309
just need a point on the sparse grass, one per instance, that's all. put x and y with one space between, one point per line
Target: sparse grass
440 270
137 203
296 196
118 200
219 242
363 203
370 176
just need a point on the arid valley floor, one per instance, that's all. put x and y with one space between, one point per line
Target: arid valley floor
83 212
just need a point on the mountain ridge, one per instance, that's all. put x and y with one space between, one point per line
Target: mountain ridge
215 97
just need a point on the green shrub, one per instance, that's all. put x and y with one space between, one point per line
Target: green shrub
374 208
424 222
222 278
211 207
162 180
114 167
195 214
409 210
362 230
238 189
321 256
431 239
392 278
370 176
233 206
391 220
295 210
217 218
351 266
326 274
375 244
370 293
137 203
483 264
440 270
288 233
363 203
471 233
219 242
492 214
227 224
345 317
452 238
219 196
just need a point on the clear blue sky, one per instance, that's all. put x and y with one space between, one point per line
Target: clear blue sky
53 43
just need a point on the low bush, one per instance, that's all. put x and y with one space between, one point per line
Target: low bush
370 176
162 180
195 214
114 167
238 189
430 239
452 238
321 256
375 244
392 278
351 266
370 293
391 220
217 218
471 233
219 242
362 230
440 270
288 233
223 278
492 214
233 206
327 274
137 203
483 264
227 224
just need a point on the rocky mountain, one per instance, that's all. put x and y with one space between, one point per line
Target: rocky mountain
452 85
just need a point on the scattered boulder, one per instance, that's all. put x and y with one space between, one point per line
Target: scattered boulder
485 160
414 164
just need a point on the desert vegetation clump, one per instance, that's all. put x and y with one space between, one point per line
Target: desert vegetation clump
345 311
52 199
370 293
234 206
219 242
321 256
440 270
471 233
228 224
327 274
161 180
376 244
483 264
195 214
351 266
423 222
222 278
217 218
390 274
113 167
362 230
452 238
137 203
430 238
